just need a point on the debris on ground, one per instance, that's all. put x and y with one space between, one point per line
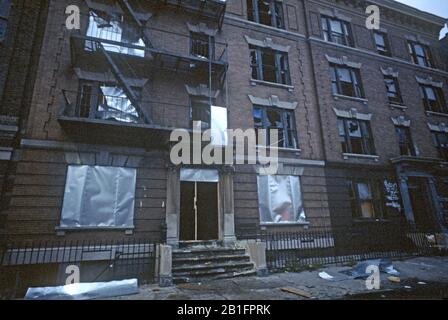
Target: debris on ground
394 279
325 276
297 292
360 270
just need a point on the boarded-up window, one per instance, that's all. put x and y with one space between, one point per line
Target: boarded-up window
99 197
280 199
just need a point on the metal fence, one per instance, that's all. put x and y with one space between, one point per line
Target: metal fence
296 250
50 263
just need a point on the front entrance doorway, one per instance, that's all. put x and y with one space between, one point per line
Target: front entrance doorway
421 204
199 205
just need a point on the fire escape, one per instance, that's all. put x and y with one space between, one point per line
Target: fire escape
118 47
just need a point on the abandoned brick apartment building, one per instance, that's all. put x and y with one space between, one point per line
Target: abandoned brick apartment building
361 115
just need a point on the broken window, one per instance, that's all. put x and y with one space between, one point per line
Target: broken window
115 28
433 99
280 199
4 15
98 196
337 31
393 90
107 102
276 119
382 43
405 141
441 142
355 136
346 81
420 54
267 12
202 45
270 65
366 199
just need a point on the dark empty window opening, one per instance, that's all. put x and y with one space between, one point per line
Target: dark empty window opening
202 45
405 141
433 99
356 136
337 31
441 143
267 12
366 199
382 43
4 15
421 54
346 81
276 119
393 90
269 65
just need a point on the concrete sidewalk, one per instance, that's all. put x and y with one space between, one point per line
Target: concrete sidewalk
426 270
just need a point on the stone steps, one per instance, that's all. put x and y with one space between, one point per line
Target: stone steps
197 263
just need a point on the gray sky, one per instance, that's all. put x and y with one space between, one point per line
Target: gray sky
438 7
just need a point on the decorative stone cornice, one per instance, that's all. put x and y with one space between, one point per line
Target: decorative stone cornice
273 101
389 72
441 127
429 82
401 121
353 114
202 28
202 91
267 43
343 62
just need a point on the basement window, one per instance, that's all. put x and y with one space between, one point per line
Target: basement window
4 14
99 197
280 200
115 28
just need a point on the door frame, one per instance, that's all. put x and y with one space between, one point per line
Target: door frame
226 211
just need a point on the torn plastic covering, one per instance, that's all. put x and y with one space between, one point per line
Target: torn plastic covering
280 199
115 31
219 126
359 271
84 291
116 105
99 197
199 175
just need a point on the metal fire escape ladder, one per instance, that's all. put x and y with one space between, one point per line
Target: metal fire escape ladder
144 32
122 81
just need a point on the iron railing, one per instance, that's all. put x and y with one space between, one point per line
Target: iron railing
44 263
296 250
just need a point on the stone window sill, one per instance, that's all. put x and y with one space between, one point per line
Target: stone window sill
398 106
340 96
285 224
61 231
348 156
272 84
439 114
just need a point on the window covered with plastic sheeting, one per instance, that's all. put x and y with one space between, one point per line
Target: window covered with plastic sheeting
99 197
280 199
115 105
114 28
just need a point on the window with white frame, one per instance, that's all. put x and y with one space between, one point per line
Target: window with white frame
280 199
337 31
99 197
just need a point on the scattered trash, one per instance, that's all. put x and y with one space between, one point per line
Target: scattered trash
421 283
394 279
359 271
407 287
325 276
84 291
297 292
